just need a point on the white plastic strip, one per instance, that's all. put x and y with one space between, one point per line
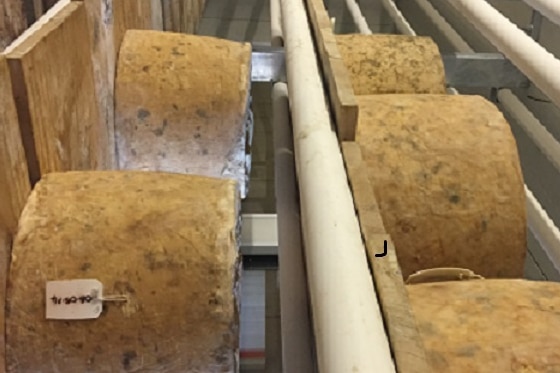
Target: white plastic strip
348 325
548 8
359 20
530 57
400 21
544 229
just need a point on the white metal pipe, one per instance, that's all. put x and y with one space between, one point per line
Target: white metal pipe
544 229
297 340
454 38
400 21
359 20
349 331
276 24
530 57
534 129
538 221
548 8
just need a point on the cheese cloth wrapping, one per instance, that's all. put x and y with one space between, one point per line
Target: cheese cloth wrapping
446 174
182 105
489 326
168 242
383 64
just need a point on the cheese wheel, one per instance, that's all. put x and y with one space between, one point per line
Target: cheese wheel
488 326
446 174
182 105
167 242
379 64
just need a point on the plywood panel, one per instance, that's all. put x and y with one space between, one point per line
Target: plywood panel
14 185
134 15
182 15
101 28
14 177
5 253
56 96
165 242
12 21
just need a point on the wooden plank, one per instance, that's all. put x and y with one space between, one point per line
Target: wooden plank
103 57
406 344
14 186
182 15
14 177
5 255
335 74
55 94
167 19
131 15
12 21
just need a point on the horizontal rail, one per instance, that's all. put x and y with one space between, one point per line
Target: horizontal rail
548 8
482 70
539 65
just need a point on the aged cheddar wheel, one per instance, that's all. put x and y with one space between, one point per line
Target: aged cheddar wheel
384 64
167 242
182 105
488 326
446 174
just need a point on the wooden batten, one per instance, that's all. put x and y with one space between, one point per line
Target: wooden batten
335 74
406 344
55 93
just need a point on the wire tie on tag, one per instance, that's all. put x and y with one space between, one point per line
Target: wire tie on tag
114 298
109 298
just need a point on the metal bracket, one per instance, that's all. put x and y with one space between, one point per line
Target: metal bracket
482 70
259 241
268 64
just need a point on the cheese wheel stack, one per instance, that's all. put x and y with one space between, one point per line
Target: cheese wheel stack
445 169
168 243
489 325
182 105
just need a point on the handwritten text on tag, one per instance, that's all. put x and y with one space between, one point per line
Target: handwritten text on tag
74 299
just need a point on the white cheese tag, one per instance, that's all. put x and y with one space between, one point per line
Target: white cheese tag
74 299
